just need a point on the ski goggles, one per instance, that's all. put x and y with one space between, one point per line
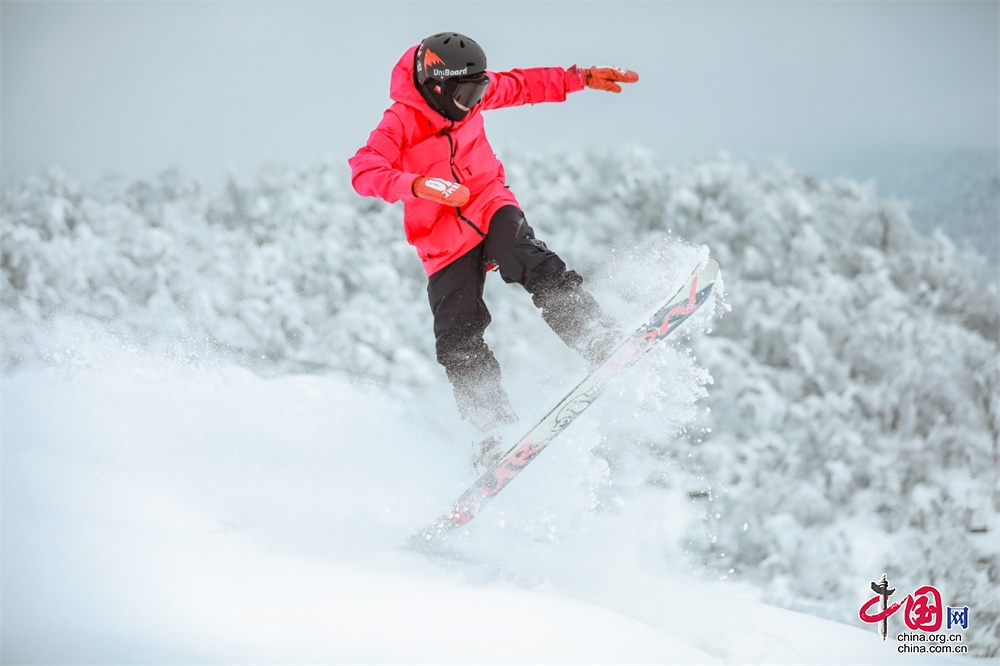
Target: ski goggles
467 91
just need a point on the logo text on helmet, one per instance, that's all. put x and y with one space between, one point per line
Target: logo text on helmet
451 72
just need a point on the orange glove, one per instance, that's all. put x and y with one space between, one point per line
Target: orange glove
440 190
604 78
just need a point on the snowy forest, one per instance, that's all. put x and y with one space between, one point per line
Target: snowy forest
835 417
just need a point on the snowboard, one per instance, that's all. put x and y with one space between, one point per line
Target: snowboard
665 321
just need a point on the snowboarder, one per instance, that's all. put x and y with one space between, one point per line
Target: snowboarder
430 150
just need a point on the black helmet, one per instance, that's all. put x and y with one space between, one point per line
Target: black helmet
450 68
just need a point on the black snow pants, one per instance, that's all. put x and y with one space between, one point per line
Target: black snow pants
461 316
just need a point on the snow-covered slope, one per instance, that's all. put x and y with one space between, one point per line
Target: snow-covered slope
226 405
161 513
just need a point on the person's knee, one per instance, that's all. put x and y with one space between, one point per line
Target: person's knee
506 226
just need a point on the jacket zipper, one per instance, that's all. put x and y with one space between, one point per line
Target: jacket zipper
454 174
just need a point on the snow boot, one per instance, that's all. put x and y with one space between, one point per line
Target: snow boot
486 453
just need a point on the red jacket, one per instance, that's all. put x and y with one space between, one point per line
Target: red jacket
414 140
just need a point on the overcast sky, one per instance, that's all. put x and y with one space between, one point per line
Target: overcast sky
132 88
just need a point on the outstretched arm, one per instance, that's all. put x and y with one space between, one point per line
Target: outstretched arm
550 84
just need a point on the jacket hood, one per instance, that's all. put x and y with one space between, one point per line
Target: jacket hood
403 89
